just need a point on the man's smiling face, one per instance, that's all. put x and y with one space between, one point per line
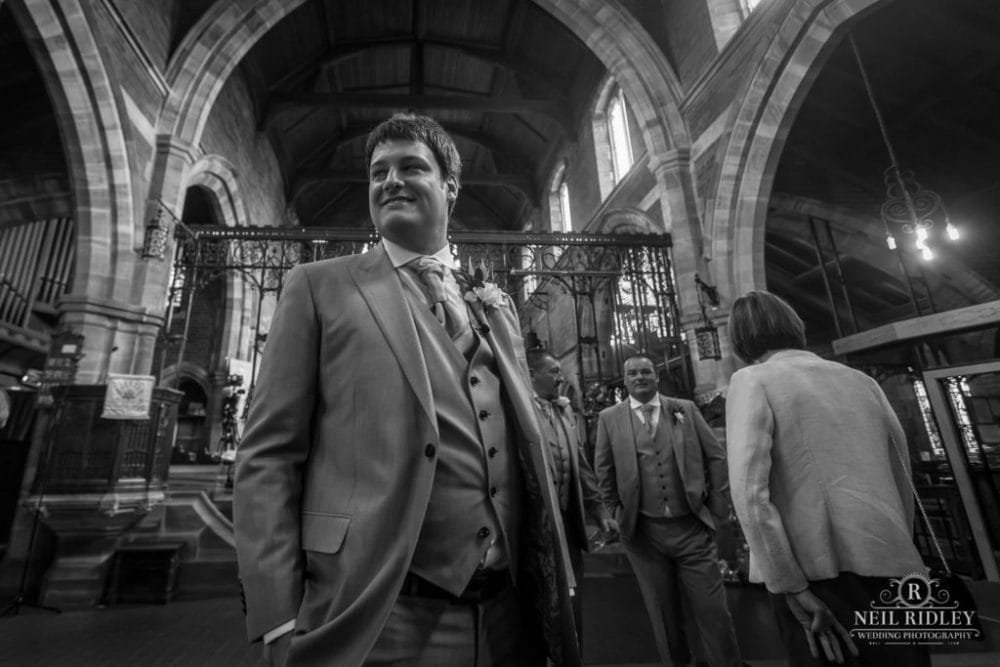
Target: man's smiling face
408 195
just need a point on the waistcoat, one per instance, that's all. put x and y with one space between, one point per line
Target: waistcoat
661 486
476 495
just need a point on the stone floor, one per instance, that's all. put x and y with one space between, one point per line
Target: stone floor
195 632
206 632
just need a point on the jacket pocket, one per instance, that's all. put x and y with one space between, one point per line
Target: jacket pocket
324 532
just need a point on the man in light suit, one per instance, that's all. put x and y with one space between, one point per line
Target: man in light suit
392 504
663 473
575 484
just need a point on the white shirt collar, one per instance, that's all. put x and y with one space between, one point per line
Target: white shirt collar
399 255
635 404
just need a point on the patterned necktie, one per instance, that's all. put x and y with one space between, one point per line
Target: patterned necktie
647 415
431 273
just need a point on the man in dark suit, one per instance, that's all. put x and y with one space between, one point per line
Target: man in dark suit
392 502
575 484
664 474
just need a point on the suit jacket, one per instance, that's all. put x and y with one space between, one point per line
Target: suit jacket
700 458
335 468
817 484
584 496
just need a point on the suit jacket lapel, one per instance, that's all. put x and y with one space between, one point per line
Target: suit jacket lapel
625 445
380 288
571 442
676 434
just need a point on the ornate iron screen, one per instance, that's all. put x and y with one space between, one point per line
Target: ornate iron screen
621 286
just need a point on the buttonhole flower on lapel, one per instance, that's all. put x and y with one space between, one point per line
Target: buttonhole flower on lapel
487 294
678 416
562 402
482 296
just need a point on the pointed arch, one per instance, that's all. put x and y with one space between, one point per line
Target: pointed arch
64 46
760 128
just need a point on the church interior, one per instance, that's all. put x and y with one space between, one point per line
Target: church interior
630 168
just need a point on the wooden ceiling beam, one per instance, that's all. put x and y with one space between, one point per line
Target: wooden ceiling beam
497 57
552 109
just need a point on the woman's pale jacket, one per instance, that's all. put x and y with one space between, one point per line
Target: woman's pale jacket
815 477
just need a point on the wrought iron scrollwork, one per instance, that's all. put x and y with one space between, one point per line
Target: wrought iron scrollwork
625 280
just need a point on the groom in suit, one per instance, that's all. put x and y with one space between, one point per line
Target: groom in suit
663 474
392 504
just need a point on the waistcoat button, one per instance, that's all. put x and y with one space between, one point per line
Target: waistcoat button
429 451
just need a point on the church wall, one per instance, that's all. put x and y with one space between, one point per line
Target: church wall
231 132
138 87
690 44
152 23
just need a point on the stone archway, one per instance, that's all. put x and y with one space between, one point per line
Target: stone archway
214 47
760 127
217 175
79 87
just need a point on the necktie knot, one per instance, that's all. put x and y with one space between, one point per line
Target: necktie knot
647 416
431 273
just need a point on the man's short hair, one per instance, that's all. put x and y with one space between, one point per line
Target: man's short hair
761 322
639 356
415 127
537 357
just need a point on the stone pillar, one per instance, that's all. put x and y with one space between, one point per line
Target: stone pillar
117 337
674 179
711 375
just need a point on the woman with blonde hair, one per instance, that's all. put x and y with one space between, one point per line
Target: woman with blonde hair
819 484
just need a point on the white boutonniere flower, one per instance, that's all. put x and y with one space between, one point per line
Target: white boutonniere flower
487 294
562 402
678 416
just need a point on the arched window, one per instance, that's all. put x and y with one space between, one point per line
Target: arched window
559 207
567 220
618 134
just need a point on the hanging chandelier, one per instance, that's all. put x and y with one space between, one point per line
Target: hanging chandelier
908 207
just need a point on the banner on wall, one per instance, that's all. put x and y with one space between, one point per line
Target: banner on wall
128 396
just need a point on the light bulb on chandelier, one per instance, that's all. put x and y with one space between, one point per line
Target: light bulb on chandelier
952 231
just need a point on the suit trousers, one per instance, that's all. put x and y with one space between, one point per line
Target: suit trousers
671 557
430 632
844 595
576 562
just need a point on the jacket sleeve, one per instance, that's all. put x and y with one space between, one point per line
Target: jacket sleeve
750 429
592 502
714 457
270 460
604 466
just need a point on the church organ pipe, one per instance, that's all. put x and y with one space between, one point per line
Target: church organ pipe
37 258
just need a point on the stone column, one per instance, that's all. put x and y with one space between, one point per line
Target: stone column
117 337
674 179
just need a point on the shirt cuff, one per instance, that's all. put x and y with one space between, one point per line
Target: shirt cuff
279 631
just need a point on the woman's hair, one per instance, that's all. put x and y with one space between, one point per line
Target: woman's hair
761 322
